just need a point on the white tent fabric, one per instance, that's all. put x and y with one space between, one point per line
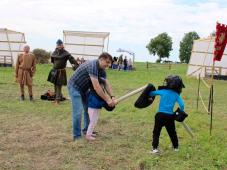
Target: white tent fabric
11 43
88 45
201 60
129 52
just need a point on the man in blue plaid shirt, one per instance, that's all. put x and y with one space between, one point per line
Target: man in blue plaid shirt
84 78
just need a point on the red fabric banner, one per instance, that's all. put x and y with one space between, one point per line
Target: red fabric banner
220 41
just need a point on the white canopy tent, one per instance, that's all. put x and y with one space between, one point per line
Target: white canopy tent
88 45
11 43
129 52
202 59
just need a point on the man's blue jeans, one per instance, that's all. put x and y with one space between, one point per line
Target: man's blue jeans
79 105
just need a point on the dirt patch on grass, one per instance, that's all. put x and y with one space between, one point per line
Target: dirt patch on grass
31 144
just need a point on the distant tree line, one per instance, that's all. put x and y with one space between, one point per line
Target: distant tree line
161 46
42 56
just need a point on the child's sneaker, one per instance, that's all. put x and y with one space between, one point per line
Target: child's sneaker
93 135
89 138
176 149
154 151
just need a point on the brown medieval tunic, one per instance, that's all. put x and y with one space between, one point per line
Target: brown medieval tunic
25 68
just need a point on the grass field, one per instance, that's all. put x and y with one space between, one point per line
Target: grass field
37 135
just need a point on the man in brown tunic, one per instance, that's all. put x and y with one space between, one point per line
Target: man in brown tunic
25 69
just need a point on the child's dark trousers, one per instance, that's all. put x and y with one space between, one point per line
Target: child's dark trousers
167 120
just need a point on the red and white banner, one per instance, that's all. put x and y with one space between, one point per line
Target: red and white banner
220 41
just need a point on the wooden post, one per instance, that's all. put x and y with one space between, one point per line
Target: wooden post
210 95
169 66
209 104
211 109
220 70
211 98
197 103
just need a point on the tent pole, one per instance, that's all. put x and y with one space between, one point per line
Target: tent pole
64 37
133 59
108 44
7 36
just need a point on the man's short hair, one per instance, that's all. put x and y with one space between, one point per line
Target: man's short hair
105 55
26 46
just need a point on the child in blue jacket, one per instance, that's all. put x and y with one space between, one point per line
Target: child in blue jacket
170 94
95 103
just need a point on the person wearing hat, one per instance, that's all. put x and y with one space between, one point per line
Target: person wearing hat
57 74
25 70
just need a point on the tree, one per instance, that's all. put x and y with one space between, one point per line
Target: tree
186 46
160 45
41 55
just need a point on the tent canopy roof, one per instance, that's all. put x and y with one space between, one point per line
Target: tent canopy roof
87 34
2 30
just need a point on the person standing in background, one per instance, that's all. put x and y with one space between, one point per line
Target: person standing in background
57 75
25 70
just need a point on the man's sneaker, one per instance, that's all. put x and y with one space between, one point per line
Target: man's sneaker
154 151
76 138
22 98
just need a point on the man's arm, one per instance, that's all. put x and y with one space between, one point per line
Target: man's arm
100 92
108 88
154 93
33 68
73 62
180 103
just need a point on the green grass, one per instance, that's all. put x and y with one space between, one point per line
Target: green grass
38 135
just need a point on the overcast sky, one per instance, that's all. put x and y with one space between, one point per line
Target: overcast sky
131 23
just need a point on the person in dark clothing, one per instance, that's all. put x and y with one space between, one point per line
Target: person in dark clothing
170 94
125 63
120 62
57 75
